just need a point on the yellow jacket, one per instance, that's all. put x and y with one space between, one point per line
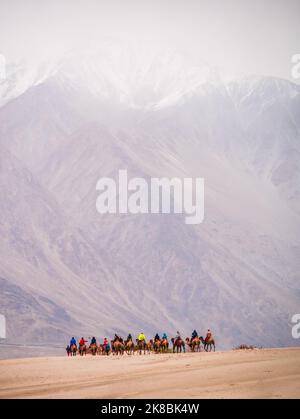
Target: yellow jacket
142 337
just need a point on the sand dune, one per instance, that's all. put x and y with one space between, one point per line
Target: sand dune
267 373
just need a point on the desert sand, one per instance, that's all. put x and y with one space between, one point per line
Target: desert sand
265 373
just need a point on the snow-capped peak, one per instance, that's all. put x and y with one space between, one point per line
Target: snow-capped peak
148 77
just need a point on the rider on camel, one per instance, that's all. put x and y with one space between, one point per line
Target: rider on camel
156 337
142 337
82 342
178 336
73 341
194 334
118 338
208 335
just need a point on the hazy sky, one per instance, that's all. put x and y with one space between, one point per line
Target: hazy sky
244 37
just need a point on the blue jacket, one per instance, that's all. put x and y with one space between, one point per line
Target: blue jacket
73 342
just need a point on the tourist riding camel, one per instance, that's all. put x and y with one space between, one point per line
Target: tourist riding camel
106 346
194 334
156 337
164 343
82 347
117 338
73 346
208 335
141 343
82 342
73 341
209 341
142 337
194 343
178 343
129 346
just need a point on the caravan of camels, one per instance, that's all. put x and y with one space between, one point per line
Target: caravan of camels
119 346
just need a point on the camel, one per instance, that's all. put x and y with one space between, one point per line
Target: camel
208 342
164 345
144 346
93 349
178 344
100 349
129 347
118 347
82 350
105 349
150 346
194 344
73 350
156 345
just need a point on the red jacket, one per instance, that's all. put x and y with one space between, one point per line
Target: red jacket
82 342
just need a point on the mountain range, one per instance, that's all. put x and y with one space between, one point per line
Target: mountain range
67 270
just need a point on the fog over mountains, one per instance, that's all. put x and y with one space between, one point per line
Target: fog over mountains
67 270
